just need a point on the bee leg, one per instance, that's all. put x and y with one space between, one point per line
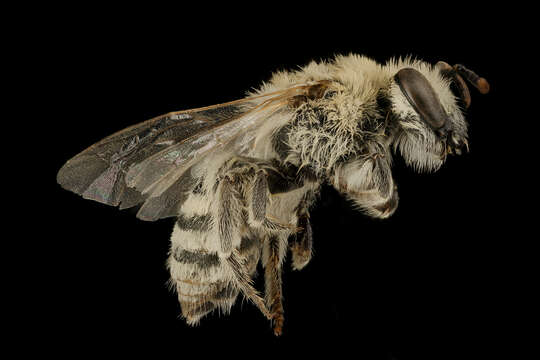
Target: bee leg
244 282
259 198
227 216
302 243
230 241
273 253
265 181
378 196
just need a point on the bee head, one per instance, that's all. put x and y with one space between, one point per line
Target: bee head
427 103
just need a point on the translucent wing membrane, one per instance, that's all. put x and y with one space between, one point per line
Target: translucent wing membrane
147 163
99 172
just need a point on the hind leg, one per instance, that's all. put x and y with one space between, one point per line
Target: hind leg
274 249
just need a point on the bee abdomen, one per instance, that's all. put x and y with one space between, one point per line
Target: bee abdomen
202 276
202 283
218 296
200 259
198 274
194 223
203 280
197 299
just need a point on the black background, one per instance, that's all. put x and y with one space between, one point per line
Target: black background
423 284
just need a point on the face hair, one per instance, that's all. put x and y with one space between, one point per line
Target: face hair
240 177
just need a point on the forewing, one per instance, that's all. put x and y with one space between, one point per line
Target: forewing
149 163
98 173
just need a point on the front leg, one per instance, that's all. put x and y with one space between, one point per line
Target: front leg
302 242
368 182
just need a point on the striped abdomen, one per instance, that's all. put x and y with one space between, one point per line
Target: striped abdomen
203 280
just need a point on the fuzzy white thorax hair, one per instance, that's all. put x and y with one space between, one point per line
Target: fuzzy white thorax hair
352 117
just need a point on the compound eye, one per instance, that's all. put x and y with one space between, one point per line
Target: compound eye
420 94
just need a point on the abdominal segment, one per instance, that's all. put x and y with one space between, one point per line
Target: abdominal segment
200 273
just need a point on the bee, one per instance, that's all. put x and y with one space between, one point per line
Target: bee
240 177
